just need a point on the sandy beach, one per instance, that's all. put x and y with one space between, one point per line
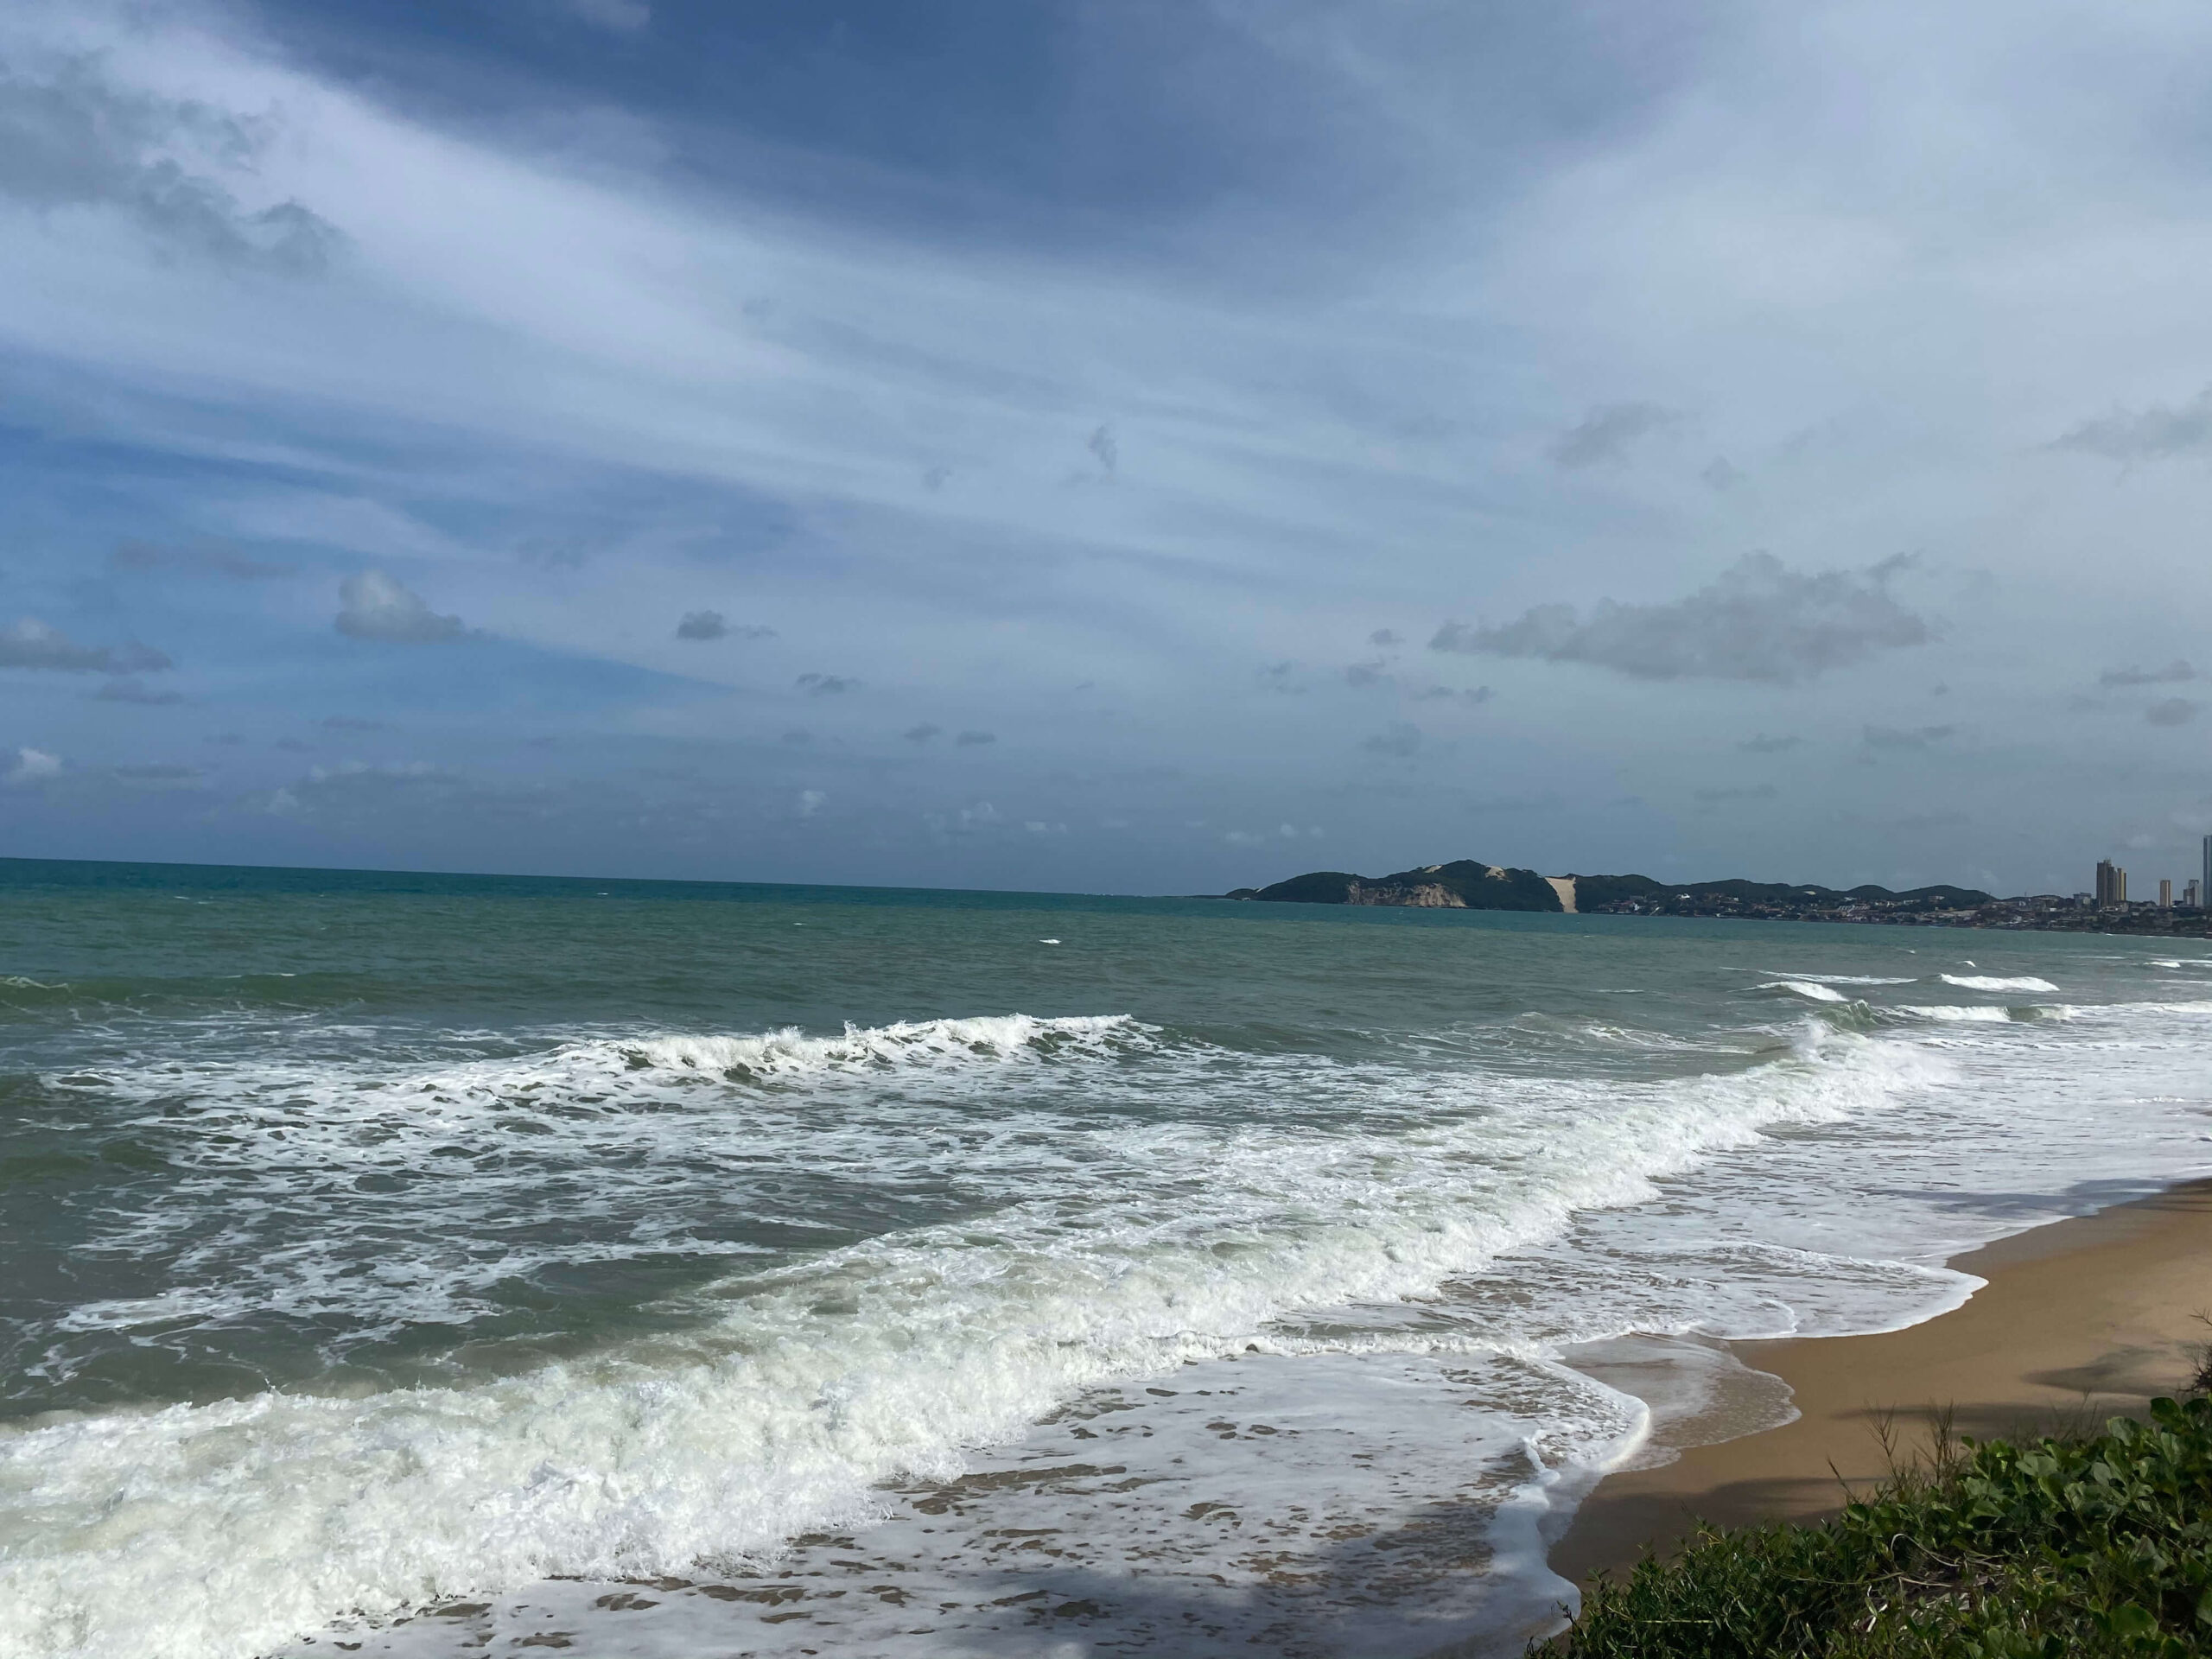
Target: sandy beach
2080 1320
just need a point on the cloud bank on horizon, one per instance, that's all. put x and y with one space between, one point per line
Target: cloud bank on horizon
1055 444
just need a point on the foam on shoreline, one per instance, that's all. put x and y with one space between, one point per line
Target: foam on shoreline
2076 1320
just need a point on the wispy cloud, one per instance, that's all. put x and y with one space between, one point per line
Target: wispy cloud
133 556
2171 711
1605 435
31 643
1760 743
1400 740
136 691
825 685
616 17
2173 673
1898 737
713 625
160 775
2156 433
1106 449
168 165
1472 696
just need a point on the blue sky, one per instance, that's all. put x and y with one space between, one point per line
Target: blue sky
1125 446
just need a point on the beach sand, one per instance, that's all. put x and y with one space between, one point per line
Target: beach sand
2080 1320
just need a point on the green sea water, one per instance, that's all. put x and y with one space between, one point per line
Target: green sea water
376 1241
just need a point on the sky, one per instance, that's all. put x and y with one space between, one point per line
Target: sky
1108 445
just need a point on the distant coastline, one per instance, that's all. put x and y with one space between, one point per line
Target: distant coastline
1470 884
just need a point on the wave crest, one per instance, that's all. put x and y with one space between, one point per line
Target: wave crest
1811 989
995 1038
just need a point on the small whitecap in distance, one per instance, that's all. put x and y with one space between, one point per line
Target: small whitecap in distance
1048 941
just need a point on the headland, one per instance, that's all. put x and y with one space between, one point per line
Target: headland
1471 883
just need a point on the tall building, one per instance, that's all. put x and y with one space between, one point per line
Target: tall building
2111 881
2166 893
2192 894
2207 888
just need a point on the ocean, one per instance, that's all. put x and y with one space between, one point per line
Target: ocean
441 1265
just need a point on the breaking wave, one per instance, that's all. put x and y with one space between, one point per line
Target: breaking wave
1811 989
1115 1246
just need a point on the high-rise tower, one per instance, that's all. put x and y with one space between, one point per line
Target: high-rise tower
2111 881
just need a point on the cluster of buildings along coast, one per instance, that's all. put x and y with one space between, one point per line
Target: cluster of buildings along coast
2107 908
2111 892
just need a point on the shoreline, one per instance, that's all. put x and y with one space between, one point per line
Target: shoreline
2078 1320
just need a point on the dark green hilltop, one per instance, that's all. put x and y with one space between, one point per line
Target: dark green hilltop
1470 884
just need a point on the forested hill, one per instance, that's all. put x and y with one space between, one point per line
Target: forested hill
1470 884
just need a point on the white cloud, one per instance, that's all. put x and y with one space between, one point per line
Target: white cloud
374 606
1760 620
32 766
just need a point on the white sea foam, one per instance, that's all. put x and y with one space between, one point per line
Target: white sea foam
1344 1495
1158 1243
1993 983
1003 1039
1745 1246
1980 1013
508 1157
1287 1206
1812 989
1854 979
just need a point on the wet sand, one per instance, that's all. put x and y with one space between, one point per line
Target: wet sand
2080 1320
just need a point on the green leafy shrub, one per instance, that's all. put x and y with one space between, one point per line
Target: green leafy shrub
2095 1546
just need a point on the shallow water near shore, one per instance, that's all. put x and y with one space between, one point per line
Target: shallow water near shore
449 1265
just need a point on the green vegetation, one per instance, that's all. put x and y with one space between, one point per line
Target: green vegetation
1465 884
1470 884
2096 1546
1598 892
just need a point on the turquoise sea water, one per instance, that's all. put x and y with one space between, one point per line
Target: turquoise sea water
683 1269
